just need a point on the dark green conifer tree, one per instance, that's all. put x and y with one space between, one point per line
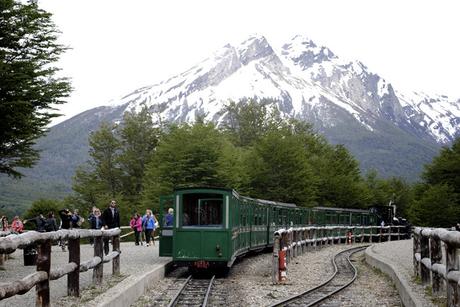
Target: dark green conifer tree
29 86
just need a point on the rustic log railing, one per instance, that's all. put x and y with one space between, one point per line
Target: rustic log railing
44 274
295 241
442 274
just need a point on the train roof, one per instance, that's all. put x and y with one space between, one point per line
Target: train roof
204 188
341 209
236 194
269 202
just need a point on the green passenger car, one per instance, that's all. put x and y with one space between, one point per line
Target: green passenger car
214 226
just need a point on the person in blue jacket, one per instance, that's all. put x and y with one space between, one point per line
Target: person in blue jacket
149 223
169 218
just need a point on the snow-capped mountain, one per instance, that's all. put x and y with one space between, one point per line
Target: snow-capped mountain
388 130
307 82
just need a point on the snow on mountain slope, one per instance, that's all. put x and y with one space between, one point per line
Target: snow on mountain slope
305 81
436 116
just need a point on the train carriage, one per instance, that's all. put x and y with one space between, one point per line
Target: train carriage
214 226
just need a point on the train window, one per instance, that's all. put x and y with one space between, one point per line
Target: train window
202 210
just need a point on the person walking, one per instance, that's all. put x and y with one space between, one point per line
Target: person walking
91 215
111 219
149 223
16 225
39 222
96 221
5 226
136 226
76 219
66 218
50 223
66 223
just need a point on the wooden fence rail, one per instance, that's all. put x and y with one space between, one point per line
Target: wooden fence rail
43 241
429 264
295 241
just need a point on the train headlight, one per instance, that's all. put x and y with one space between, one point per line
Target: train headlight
218 250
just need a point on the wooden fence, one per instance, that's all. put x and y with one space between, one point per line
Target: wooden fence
43 242
295 241
441 273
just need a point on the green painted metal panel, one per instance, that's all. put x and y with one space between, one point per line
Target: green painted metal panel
187 244
198 244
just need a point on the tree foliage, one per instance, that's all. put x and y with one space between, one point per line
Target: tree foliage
43 206
256 153
249 120
437 198
445 168
186 156
279 170
28 82
119 156
435 206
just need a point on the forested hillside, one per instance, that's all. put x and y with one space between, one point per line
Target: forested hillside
61 151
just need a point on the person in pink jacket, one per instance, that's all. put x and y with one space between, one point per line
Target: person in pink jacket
136 225
17 225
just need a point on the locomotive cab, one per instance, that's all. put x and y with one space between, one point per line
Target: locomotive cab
201 228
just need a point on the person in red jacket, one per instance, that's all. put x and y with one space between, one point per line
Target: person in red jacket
17 225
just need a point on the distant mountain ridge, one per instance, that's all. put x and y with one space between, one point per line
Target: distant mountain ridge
387 130
306 79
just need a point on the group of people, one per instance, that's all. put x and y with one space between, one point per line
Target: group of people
144 226
17 226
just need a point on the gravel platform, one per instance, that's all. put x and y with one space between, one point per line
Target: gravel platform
133 260
249 282
399 254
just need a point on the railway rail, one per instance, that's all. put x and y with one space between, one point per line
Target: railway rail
344 275
194 292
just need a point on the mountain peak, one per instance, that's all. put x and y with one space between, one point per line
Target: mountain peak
255 47
305 53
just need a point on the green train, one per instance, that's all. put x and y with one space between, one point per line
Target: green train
212 227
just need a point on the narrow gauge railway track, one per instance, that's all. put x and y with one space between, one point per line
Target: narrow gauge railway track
344 275
194 292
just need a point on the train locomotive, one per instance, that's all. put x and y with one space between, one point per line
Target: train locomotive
212 227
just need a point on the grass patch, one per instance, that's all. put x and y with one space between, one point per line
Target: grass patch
417 280
440 301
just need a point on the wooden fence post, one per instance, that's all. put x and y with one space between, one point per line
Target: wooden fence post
370 234
451 265
98 271
44 264
314 238
416 248
276 249
73 278
116 260
436 258
424 253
